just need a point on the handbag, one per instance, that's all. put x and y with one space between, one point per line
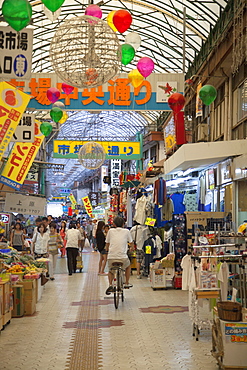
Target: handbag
87 244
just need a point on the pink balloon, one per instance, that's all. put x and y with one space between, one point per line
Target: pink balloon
53 94
145 66
67 89
94 11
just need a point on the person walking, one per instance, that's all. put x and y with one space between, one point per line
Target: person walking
94 245
62 233
73 237
83 234
117 241
100 240
55 241
17 237
40 242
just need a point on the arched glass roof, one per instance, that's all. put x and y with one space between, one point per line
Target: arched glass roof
159 23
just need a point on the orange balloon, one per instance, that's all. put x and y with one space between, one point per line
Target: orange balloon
135 78
109 20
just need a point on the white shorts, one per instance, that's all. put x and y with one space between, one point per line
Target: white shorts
125 262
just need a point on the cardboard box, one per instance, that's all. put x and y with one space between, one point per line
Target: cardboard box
29 289
6 318
18 301
6 296
29 307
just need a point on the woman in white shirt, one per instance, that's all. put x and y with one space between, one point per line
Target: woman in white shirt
73 237
40 242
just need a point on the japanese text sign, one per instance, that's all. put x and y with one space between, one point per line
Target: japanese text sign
24 132
114 149
94 197
150 221
12 105
119 94
16 53
116 166
237 332
20 160
25 204
88 206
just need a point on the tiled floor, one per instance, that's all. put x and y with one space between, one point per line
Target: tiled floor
77 327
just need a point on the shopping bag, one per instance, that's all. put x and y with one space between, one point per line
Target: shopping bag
87 244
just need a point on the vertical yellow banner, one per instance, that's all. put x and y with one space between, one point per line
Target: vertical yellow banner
20 160
13 103
73 201
88 206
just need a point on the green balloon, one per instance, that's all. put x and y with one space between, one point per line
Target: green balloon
208 94
46 128
128 53
17 13
56 114
53 5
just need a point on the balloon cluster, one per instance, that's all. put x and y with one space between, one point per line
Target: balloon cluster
57 113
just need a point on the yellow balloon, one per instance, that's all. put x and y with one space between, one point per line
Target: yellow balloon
109 20
64 118
135 78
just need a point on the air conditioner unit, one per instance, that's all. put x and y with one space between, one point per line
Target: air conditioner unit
202 132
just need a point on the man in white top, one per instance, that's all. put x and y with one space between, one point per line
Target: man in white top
117 245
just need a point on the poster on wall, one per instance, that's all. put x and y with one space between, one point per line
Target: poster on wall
25 204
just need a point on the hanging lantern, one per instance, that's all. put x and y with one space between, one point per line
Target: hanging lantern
53 5
56 114
122 20
17 13
53 94
128 53
135 78
145 66
94 11
134 39
176 102
91 155
207 94
45 128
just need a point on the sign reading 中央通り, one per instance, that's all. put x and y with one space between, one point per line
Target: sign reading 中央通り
88 206
25 130
118 94
12 105
16 53
25 204
20 161
114 149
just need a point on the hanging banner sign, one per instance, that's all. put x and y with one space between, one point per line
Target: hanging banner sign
20 160
116 94
24 132
72 199
114 149
88 206
24 204
12 105
150 221
16 53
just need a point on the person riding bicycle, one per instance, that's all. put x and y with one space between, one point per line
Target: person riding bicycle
117 241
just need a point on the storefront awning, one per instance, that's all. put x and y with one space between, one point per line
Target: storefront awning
201 155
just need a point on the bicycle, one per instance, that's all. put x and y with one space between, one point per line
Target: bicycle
118 284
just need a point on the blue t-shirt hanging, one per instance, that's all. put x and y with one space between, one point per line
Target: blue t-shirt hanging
178 199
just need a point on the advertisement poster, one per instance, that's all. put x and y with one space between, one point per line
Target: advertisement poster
20 160
88 206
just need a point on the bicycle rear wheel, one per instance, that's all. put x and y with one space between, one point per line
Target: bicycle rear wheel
117 290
